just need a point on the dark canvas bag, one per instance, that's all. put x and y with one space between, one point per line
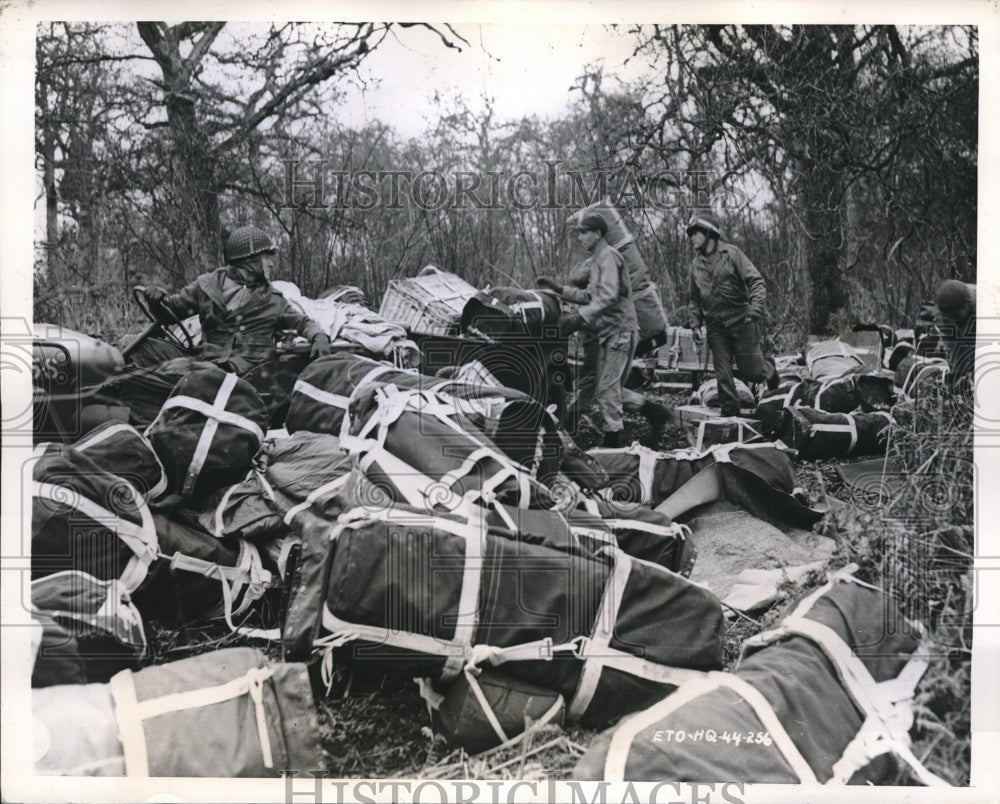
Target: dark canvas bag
504 313
482 710
758 477
87 519
101 627
198 577
829 359
816 434
772 404
122 450
323 391
420 595
415 445
230 713
826 697
207 432
304 470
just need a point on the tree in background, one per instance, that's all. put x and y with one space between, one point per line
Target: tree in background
867 136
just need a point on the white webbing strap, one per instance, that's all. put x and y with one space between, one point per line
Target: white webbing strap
600 638
484 705
467 616
454 650
319 395
888 714
674 529
93 439
219 520
140 539
131 713
368 377
625 734
850 427
647 470
536 303
317 493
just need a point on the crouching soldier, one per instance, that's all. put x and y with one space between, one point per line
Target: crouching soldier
600 285
956 317
239 310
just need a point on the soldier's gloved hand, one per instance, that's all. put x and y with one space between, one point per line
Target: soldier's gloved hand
754 316
155 295
569 324
320 345
548 283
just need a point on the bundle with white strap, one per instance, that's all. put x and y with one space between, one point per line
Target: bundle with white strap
756 725
229 713
87 519
423 595
207 432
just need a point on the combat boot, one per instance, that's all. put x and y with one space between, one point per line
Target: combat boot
657 415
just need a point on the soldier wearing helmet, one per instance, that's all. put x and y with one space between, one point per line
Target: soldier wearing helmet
955 304
728 293
238 309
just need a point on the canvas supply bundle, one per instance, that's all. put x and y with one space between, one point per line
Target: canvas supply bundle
87 519
848 393
595 525
770 407
101 628
230 713
758 477
198 577
144 390
708 394
425 453
826 698
305 470
207 432
816 434
406 593
828 359
122 450
505 314
485 709
334 396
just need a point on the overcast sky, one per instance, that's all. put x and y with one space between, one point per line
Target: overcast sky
527 68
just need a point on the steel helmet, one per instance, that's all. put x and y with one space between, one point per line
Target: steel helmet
246 242
705 221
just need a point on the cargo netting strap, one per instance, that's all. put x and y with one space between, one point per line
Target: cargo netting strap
319 395
625 734
466 618
248 576
110 432
418 489
215 413
132 713
140 539
887 705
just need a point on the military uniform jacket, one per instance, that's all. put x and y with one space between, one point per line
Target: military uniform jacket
248 330
600 285
725 285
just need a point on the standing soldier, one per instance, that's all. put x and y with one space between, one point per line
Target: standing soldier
600 285
728 293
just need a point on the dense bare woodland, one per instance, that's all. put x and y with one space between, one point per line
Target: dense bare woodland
843 157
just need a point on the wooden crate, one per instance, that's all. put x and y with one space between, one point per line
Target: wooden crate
430 303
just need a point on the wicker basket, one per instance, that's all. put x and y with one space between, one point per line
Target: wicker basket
431 303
